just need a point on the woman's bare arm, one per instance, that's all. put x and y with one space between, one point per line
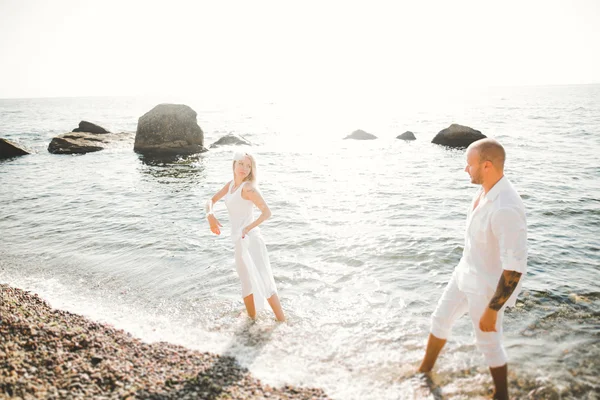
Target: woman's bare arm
249 192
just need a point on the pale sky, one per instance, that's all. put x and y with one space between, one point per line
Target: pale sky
308 48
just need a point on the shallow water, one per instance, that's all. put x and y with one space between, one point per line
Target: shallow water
363 238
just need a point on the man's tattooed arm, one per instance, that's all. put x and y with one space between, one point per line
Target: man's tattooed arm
506 286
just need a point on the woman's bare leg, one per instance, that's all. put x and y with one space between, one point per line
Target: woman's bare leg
249 302
276 306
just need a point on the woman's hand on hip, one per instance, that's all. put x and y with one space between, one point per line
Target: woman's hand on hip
245 232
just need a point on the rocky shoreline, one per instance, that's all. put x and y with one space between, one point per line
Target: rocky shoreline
52 354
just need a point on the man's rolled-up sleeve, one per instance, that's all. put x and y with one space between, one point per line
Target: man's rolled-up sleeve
510 228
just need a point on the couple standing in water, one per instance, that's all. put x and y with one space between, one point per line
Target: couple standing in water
486 280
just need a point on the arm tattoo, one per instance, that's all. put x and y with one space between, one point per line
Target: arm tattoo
506 286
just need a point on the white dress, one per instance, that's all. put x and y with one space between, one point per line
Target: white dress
251 257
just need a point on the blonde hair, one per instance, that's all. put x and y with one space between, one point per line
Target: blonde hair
252 175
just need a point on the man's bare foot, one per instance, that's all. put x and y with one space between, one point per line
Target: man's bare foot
498 397
424 369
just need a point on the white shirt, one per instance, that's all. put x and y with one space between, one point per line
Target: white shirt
495 240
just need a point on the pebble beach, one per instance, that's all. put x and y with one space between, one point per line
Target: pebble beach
50 354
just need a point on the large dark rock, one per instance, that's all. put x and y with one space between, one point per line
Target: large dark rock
10 149
85 126
229 140
408 135
169 129
457 136
359 134
83 142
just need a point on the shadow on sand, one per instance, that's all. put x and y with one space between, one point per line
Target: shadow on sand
211 383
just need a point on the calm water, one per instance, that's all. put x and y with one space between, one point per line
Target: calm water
363 238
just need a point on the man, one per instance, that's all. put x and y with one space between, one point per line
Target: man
488 276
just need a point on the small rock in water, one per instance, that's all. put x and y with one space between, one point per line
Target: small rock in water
359 134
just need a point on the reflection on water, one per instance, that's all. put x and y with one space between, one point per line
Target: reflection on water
189 170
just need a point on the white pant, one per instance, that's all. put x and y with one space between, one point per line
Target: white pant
452 305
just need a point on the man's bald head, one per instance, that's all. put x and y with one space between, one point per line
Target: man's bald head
490 150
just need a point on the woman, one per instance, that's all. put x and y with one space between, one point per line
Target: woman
251 257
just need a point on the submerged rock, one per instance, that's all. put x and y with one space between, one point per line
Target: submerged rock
10 149
359 134
169 129
408 135
230 139
82 142
457 136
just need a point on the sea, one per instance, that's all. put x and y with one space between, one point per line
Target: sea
364 235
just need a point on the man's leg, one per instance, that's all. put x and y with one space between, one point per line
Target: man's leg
450 307
499 375
490 344
434 346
